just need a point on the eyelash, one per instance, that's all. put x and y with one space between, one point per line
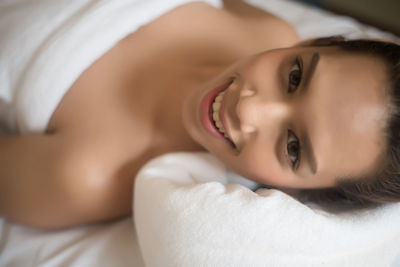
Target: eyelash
296 162
297 68
292 86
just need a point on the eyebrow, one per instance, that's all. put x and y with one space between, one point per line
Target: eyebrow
309 152
311 69
306 141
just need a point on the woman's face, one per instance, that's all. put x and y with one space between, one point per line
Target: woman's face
298 117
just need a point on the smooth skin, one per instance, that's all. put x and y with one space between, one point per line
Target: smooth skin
140 100
339 103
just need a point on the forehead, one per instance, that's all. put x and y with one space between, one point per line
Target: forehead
348 102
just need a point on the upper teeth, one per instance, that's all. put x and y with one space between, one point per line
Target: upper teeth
216 106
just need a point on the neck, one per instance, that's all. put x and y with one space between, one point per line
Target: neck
168 92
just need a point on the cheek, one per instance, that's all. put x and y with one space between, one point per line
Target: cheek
261 69
260 165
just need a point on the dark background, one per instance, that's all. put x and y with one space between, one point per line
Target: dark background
383 14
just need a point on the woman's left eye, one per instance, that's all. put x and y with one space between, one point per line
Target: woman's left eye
295 75
293 149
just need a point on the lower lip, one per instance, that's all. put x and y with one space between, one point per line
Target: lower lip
206 111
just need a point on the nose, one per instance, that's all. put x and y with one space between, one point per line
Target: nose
256 109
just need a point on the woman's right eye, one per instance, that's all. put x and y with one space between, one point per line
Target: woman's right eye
295 76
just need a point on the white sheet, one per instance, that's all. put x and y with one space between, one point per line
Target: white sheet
47 44
103 245
114 244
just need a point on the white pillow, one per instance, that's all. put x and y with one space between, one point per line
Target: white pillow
186 214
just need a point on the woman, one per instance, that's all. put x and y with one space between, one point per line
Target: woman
288 115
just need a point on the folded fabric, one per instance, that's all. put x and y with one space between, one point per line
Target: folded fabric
187 214
46 45
98 245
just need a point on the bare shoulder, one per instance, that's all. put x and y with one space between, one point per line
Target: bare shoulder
260 21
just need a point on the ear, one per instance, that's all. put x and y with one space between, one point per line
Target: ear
321 41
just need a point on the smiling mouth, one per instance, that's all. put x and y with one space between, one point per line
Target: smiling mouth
215 112
215 107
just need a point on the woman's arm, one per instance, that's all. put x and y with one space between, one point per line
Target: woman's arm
53 181
28 166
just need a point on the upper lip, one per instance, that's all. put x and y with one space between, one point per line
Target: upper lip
223 116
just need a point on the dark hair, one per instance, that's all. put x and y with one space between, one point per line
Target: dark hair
382 186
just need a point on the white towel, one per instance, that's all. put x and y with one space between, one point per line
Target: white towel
45 45
186 214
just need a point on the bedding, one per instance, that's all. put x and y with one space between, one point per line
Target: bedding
188 213
107 244
47 44
116 243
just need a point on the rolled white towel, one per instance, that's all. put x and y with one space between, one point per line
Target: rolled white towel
187 214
